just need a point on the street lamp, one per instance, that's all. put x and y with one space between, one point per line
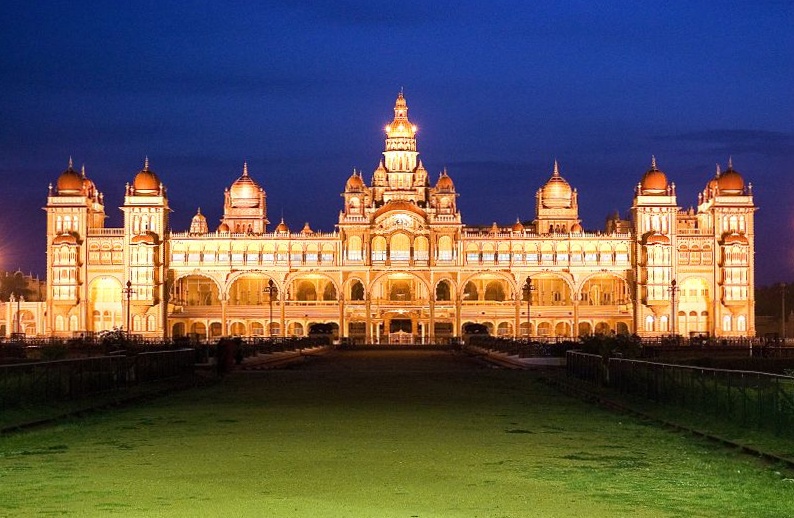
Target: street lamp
672 289
528 289
270 290
128 291
783 311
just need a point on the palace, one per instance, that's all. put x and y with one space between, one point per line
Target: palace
401 265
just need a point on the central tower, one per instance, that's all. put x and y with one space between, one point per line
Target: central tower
400 175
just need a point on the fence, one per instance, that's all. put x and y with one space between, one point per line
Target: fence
749 398
65 380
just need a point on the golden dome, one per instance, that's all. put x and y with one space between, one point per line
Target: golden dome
653 181
245 192
556 194
307 230
223 227
399 205
198 225
730 182
355 182
282 228
517 226
146 181
576 228
70 181
444 182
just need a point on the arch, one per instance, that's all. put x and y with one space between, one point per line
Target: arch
329 291
195 290
602 328
356 290
495 291
295 329
444 290
421 248
257 329
178 330
198 329
470 292
251 289
544 329
585 329
378 248
237 329
604 289
562 329
400 247
355 248
445 248
104 298
504 329
306 291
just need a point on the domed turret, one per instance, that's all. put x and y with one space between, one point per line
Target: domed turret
198 225
653 181
146 181
355 183
518 226
307 230
556 194
245 192
730 182
69 182
282 228
735 238
444 182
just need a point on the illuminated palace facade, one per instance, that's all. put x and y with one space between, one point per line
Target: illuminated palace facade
401 265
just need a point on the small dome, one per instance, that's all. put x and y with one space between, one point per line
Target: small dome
734 238
223 227
445 183
517 226
245 192
657 238
556 194
70 181
198 225
307 230
494 229
653 181
65 239
576 228
282 228
146 181
731 182
354 183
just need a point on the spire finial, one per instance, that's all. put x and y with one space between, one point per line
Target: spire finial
556 168
653 162
82 170
730 163
719 171
146 163
198 211
245 168
71 164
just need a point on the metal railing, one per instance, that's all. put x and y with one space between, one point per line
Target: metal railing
750 398
65 380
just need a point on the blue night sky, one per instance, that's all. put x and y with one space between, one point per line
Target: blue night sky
301 90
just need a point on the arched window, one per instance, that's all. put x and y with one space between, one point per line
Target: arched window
443 291
357 291
329 292
495 291
470 292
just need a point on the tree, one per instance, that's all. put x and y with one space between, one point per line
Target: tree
14 283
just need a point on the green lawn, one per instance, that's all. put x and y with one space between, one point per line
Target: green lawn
390 441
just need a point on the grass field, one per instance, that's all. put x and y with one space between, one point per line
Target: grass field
418 435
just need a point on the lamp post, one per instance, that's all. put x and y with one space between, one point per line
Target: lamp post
128 291
270 290
673 289
528 289
783 311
